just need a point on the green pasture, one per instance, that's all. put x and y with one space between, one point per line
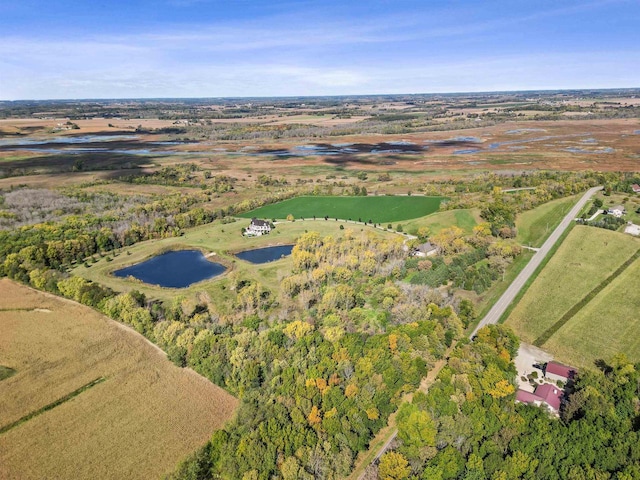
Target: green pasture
466 219
584 260
609 324
378 209
534 226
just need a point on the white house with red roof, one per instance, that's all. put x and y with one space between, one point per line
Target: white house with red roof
636 188
559 373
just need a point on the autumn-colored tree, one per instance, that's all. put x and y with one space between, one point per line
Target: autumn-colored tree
314 417
393 466
297 329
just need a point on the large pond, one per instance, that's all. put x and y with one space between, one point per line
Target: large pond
267 254
177 269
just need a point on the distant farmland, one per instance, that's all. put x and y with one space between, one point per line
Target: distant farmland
375 209
92 399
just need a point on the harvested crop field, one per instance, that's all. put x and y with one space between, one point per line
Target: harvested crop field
90 398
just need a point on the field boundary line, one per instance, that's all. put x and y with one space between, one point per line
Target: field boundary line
52 405
505 316
548 333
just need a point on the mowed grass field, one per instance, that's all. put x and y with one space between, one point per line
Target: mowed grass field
607 325
466 219
584 260
375 209
138 422
534 226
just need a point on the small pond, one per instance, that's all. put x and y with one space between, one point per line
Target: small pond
177 269
267 254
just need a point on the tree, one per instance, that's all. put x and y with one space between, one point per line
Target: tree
423 233
416 429
393 466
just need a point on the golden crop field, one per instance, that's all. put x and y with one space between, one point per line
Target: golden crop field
141 417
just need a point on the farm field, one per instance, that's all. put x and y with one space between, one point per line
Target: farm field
375 209
534 226
609 324
222 241
584 260
466 219
132 414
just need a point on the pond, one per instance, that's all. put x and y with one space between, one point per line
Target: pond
266 254
176 269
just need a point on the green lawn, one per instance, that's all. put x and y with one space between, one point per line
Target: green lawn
586 258
224 240
607 325
6 372
534 226
380 209
630 203
465 219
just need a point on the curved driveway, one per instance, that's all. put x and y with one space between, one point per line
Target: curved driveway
510 294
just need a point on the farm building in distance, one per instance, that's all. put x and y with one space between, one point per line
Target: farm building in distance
616 211
258 228
427 249
636 188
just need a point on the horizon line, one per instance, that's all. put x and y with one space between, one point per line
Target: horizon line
346 95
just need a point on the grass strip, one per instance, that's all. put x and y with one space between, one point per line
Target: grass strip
542 339
6 372
52 405
535 274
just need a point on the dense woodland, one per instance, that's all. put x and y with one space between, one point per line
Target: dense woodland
468 427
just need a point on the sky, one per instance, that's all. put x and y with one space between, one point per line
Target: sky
68 49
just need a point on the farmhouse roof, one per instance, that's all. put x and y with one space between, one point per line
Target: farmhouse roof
259 223
526 397
635 187
560 370
550 394
617 207
427 247
546 393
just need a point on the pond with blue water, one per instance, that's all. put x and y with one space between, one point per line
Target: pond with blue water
175 269
266 254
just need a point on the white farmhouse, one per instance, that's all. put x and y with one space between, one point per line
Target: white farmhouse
616 211
257 228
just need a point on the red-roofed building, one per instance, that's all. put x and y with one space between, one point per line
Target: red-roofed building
636 188
558 372
551 395
545 394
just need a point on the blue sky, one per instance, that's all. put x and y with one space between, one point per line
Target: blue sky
216 48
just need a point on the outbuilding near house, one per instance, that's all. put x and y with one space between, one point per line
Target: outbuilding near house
558 372
427 249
